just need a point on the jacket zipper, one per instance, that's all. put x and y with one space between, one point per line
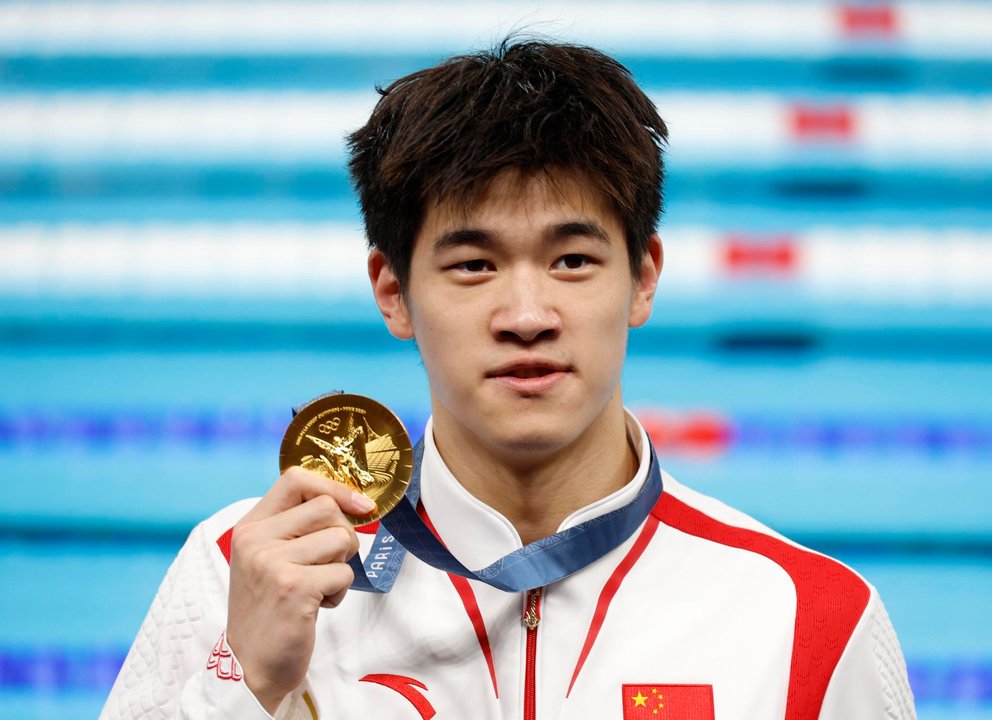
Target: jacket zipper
532 617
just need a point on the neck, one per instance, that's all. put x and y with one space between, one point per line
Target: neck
536 491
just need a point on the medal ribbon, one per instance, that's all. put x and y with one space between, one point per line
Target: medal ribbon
537 564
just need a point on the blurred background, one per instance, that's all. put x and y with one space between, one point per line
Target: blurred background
181 261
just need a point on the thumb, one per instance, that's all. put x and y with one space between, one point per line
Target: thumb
356 503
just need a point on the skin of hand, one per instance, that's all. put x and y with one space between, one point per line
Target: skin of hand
289 558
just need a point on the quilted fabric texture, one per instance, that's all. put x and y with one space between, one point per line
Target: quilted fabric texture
169 647
169 672
891 665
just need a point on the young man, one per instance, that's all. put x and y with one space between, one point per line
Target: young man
510 200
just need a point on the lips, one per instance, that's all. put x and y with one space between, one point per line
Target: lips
527 369
530 375
530 372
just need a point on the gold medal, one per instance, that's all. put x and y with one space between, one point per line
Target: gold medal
353 440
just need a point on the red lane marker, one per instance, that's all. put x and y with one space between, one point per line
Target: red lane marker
813 123
742 255
705 433
868 20
697 433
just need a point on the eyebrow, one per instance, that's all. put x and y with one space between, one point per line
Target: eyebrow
581 228
486 238
464 236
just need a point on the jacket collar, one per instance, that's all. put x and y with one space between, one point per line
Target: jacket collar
476 534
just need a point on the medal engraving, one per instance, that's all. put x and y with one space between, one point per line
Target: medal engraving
353 440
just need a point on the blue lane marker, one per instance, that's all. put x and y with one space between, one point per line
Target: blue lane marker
210 428
56 671
847 72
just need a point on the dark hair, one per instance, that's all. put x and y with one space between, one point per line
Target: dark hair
445 132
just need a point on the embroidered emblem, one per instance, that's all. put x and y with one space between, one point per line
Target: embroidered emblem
668 702
222 661
405 686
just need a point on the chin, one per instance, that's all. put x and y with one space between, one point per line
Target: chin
531 445
531 440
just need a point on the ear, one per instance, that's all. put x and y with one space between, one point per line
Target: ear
647 282
389 298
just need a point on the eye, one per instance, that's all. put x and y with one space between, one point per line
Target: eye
474 266
572 261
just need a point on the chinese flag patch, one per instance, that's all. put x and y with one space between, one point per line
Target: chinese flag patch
668 702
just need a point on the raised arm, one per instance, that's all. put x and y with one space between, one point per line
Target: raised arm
204 652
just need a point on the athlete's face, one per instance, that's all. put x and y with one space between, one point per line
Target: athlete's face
520 307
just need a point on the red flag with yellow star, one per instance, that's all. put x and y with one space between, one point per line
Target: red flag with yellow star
668 702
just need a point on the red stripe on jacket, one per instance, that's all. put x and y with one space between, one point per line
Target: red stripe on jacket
830 600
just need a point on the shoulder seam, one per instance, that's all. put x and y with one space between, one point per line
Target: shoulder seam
830 600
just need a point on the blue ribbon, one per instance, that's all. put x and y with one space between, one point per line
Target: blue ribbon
537 564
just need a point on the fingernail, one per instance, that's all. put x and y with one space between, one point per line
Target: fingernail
364 503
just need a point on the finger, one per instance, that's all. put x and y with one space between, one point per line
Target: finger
332 601
330 545
296 486
315 514
331 580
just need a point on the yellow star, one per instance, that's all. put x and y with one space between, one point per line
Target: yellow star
639 699
654 691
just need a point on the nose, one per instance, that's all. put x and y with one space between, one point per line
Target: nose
525 311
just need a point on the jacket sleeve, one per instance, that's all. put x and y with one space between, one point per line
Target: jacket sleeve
179 666
870 681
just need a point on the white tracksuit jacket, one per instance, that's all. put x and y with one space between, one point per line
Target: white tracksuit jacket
702 614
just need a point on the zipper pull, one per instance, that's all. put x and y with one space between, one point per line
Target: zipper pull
531 616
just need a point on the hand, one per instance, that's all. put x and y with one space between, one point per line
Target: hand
289 557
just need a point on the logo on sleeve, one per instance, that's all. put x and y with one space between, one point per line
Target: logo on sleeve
668 702
223 662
